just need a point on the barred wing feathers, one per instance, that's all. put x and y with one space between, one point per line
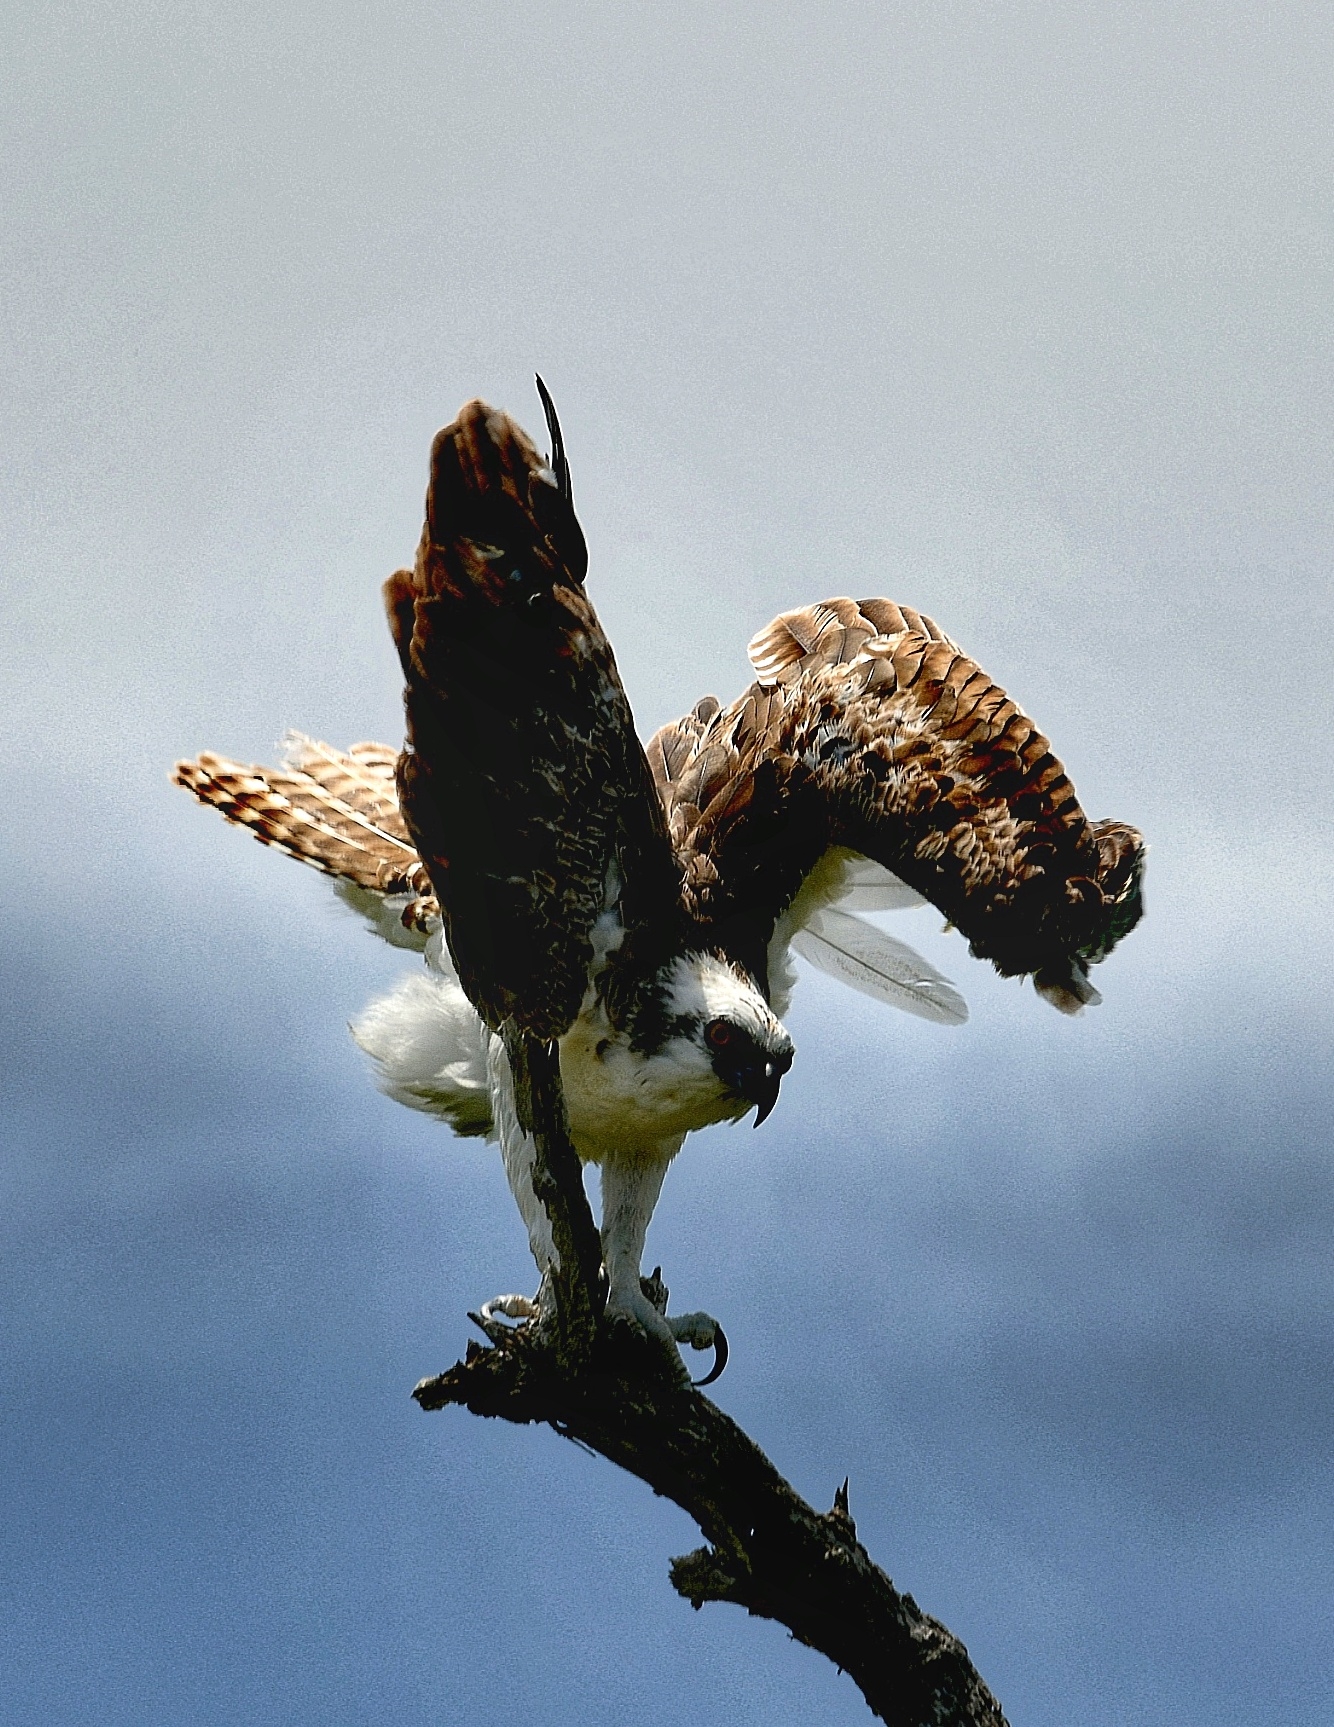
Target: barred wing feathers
869 729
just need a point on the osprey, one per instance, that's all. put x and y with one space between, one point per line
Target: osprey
639 907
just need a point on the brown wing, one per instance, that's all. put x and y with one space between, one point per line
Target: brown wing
868 728
336 811
522 780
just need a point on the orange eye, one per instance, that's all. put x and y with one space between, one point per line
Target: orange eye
718 1033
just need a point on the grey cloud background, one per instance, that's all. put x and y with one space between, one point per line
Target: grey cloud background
1019 313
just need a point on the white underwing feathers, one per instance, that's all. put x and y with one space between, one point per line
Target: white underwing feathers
869 886
859 954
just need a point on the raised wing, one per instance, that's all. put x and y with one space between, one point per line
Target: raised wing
336 811
868 729
523 785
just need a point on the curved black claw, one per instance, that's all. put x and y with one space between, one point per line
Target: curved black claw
700 1330
719 1358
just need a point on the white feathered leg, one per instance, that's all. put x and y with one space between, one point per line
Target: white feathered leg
518 1152
630 1189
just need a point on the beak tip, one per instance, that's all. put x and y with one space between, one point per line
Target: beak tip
753 1083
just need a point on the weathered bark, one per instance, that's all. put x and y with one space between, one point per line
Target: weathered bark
623 1395
558 1182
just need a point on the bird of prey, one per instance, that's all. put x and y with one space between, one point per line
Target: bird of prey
638 907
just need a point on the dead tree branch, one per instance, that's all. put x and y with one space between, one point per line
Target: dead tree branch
558 1182
620 1393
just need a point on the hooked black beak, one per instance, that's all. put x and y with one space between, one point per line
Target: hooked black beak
764 1090
746 1067
758 1082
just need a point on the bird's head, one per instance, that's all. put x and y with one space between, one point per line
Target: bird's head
749 1067
718 1009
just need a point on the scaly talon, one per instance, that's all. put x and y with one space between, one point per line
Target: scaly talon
512 1306
702 1331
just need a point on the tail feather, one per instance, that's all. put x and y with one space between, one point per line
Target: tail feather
336 812
360 784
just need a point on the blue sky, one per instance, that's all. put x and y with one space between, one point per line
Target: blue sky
1018 314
